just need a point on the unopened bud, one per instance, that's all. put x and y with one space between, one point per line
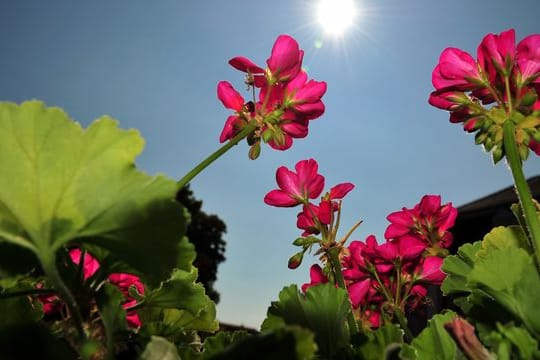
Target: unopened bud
254 151
529 98
305 241
267 135
279 138
523 151
488 144
497 154
480 137
295 260
536 135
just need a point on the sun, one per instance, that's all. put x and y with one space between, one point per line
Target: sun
335 16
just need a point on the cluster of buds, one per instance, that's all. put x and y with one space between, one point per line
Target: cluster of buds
287 100
502 85
383 278
299 188
126 283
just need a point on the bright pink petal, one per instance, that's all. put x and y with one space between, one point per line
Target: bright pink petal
325 212
230 98
429 204
535 146
388 251
316 277
280 198
528 57
310 110
244 64
295 129
286 58
91 265
340 190
431 270
358 292
411 247
230 129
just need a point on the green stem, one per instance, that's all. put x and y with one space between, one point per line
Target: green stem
403 324
522 188
49 267
215 155
336 266
395 306
27 292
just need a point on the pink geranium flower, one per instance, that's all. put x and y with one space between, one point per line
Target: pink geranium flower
431 270
316 276
496 53
52 304
296 187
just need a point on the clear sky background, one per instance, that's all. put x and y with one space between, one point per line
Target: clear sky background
154 66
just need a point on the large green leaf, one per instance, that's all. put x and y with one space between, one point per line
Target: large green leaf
503 237
434 342
510 339
509 276
323 310
68 184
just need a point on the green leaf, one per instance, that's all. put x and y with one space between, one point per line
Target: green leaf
458 267
69 184
434 342
218 343
379 342
509 276
178 305
513 339
503 237
323 310
290 342
160 349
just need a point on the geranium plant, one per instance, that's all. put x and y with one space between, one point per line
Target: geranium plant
93 262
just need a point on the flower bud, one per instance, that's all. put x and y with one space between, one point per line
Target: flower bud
254 151
529 98
497 154
480 138
267 135
295 260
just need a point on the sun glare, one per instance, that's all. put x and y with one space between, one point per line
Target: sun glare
335 16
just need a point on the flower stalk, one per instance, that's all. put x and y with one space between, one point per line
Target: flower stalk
247 130
333 256
48 264
522 189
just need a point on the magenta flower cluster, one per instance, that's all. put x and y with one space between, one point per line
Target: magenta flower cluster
502 84
380 277
287 100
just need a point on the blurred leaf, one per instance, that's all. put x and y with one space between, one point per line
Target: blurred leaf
434 342
514 340
290 342
458 267
160 349
379 342
323 310
18 310
218 343
67 184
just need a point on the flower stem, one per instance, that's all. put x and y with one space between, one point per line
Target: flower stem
522 188
49 267
403 324
26 292
333 255
215 155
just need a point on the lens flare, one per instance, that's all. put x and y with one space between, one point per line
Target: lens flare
335 16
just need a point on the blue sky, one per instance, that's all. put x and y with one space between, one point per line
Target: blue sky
154 66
